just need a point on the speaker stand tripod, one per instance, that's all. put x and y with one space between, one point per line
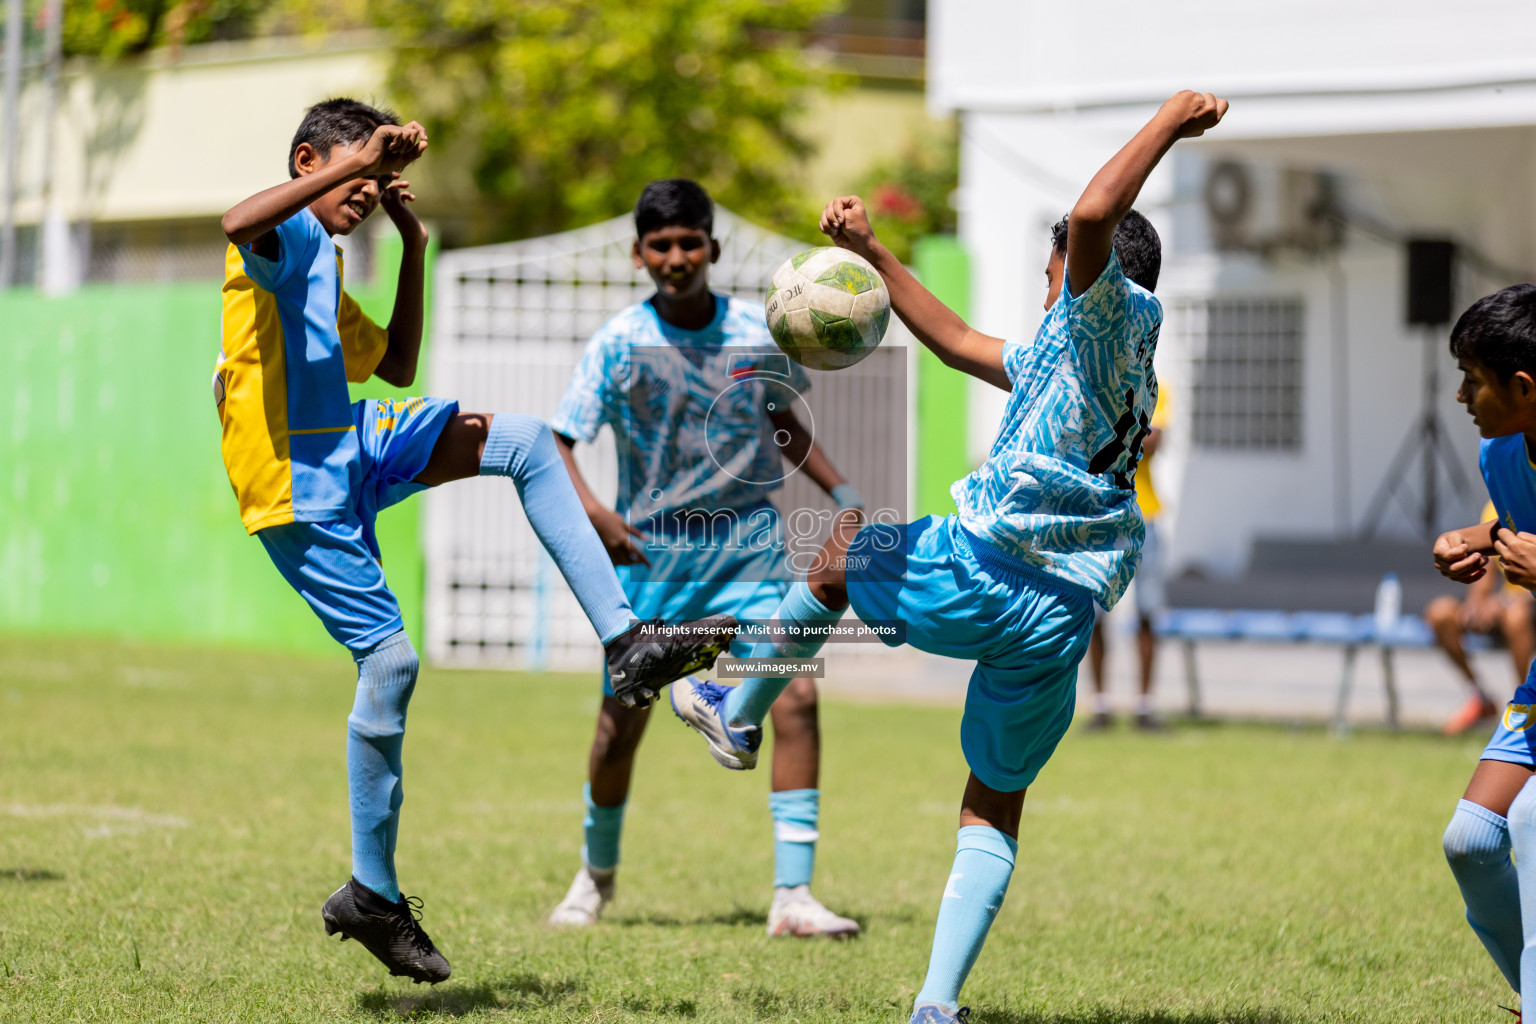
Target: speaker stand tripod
1428 444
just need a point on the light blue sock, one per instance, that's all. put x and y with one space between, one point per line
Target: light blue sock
794 835
603 827
1522 838
1477 844
748 703
522 448
386 675
973 896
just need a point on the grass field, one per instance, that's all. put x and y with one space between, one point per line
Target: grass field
170 822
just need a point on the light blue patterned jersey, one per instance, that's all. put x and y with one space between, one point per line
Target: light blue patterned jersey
1057 488
689 409
1511 480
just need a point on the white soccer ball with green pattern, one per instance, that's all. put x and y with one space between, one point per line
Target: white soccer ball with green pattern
828 308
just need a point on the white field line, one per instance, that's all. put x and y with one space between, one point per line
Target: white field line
109 820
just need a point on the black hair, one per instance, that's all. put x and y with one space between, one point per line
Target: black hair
1499 331
674 202
336 122
1136 244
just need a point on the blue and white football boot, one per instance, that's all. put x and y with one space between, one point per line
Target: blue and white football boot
933 1013
701 704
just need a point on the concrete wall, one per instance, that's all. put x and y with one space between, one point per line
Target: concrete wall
1036 55
1420 143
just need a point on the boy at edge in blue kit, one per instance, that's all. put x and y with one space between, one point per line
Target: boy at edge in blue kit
1047 526
691 383
1494 343
311 470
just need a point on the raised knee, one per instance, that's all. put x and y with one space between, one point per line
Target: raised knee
1475 836
386 679
1441 611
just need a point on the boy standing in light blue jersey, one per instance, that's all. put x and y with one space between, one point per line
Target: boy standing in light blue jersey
701 405
1494 343
311 470
1046 526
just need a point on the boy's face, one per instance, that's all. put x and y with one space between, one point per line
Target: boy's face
678 259
1499 408
1055 273
347 205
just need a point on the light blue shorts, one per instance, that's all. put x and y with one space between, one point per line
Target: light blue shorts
1515 740
723 563
961 597
335 565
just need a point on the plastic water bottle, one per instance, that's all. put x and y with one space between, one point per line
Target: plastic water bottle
1389 604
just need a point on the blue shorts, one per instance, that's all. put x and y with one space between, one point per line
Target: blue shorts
732 564
961 597
1514 740
335 565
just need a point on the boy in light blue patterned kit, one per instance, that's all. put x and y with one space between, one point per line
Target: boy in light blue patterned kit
1046 527
701 404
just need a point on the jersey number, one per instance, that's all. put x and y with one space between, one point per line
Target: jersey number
1130 431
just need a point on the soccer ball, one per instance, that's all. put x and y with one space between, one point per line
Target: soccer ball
827 308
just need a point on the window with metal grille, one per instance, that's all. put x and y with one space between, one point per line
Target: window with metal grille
1246 371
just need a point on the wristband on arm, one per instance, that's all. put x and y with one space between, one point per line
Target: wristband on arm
847 496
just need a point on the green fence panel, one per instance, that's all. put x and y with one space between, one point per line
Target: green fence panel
116 517
942 421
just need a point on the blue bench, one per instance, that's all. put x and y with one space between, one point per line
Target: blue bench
1347 631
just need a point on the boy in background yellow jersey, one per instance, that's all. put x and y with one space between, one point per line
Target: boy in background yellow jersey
1149 590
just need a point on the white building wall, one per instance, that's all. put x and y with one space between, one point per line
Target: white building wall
1423 144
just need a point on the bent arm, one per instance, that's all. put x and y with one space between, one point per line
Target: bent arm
567 448
954 341
803 451
250 219
1112 192
935 324
398 365
1479 538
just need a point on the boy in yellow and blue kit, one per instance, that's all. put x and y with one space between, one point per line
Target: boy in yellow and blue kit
311 470
1494 343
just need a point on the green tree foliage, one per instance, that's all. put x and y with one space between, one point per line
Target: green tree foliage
119 28
567 107
912 196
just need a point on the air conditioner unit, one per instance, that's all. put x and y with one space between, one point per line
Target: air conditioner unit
1264 209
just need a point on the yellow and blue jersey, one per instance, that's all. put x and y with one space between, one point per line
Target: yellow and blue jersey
292 339
1511 479
1146 493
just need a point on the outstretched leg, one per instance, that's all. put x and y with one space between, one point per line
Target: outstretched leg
818 601
522 447
730 718
984 855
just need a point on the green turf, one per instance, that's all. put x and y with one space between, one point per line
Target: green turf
171 822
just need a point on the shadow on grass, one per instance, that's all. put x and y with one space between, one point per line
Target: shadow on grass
1105 1015
29 875
734 918
453 1000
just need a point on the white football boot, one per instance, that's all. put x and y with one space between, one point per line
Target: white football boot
796 912
591 890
